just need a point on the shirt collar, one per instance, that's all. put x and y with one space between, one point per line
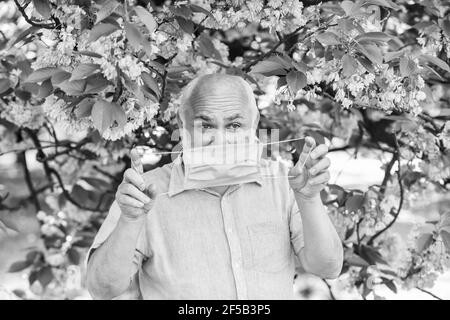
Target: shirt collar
176 183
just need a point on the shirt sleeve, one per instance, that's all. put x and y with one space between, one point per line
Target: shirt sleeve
141 251
295 224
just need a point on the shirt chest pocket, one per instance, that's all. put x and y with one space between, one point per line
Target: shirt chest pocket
270 246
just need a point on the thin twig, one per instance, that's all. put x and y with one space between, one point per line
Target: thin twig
69 197
430 293
332 296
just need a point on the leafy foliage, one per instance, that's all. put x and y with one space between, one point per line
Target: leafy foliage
368 76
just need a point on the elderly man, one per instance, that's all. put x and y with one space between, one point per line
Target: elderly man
226 236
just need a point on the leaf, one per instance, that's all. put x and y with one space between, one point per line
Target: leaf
376 36
134 36
73 255
32 276
300 66
72 88
84 108
96 83
106 10
104 114
286 62
32 255
146 18
349 232
371 255
43 8
389 56
328 39
83 70
89 54
101 30
349 65
196 8
19 266
446 27
354 202
59 77
5 84
83 243
23 94
372 52
182 11
207 48
355 260
42 74
383 3
407 67
186 25
45 89
366 63
446 239
444 221
296 80
435 61
24 34
269 68
423 242
349 7
151 83
339 192
390 284
45 276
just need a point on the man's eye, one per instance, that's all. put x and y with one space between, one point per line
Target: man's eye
235 125
206 126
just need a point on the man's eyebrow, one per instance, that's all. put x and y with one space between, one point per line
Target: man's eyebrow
234 117
203 117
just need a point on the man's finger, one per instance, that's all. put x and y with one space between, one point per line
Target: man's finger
136 162
131 176
126 200
134 192
309 145
319 179
319 151
321 165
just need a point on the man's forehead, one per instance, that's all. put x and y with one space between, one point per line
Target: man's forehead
210 115
219 87
219 96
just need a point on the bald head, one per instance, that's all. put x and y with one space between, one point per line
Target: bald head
218 107
217 90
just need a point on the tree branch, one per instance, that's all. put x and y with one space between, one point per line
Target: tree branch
397 213
34 24
33 194
247 67
69 197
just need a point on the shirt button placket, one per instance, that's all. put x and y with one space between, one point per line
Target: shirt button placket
233 243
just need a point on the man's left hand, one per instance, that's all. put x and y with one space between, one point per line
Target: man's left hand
310 174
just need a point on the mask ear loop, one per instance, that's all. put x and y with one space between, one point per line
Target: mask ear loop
266 143
291 176
265 176
271 176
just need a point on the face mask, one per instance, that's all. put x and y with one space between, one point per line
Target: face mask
221 165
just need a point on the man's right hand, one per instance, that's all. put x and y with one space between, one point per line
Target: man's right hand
130 196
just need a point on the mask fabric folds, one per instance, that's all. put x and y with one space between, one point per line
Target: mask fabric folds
221 165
